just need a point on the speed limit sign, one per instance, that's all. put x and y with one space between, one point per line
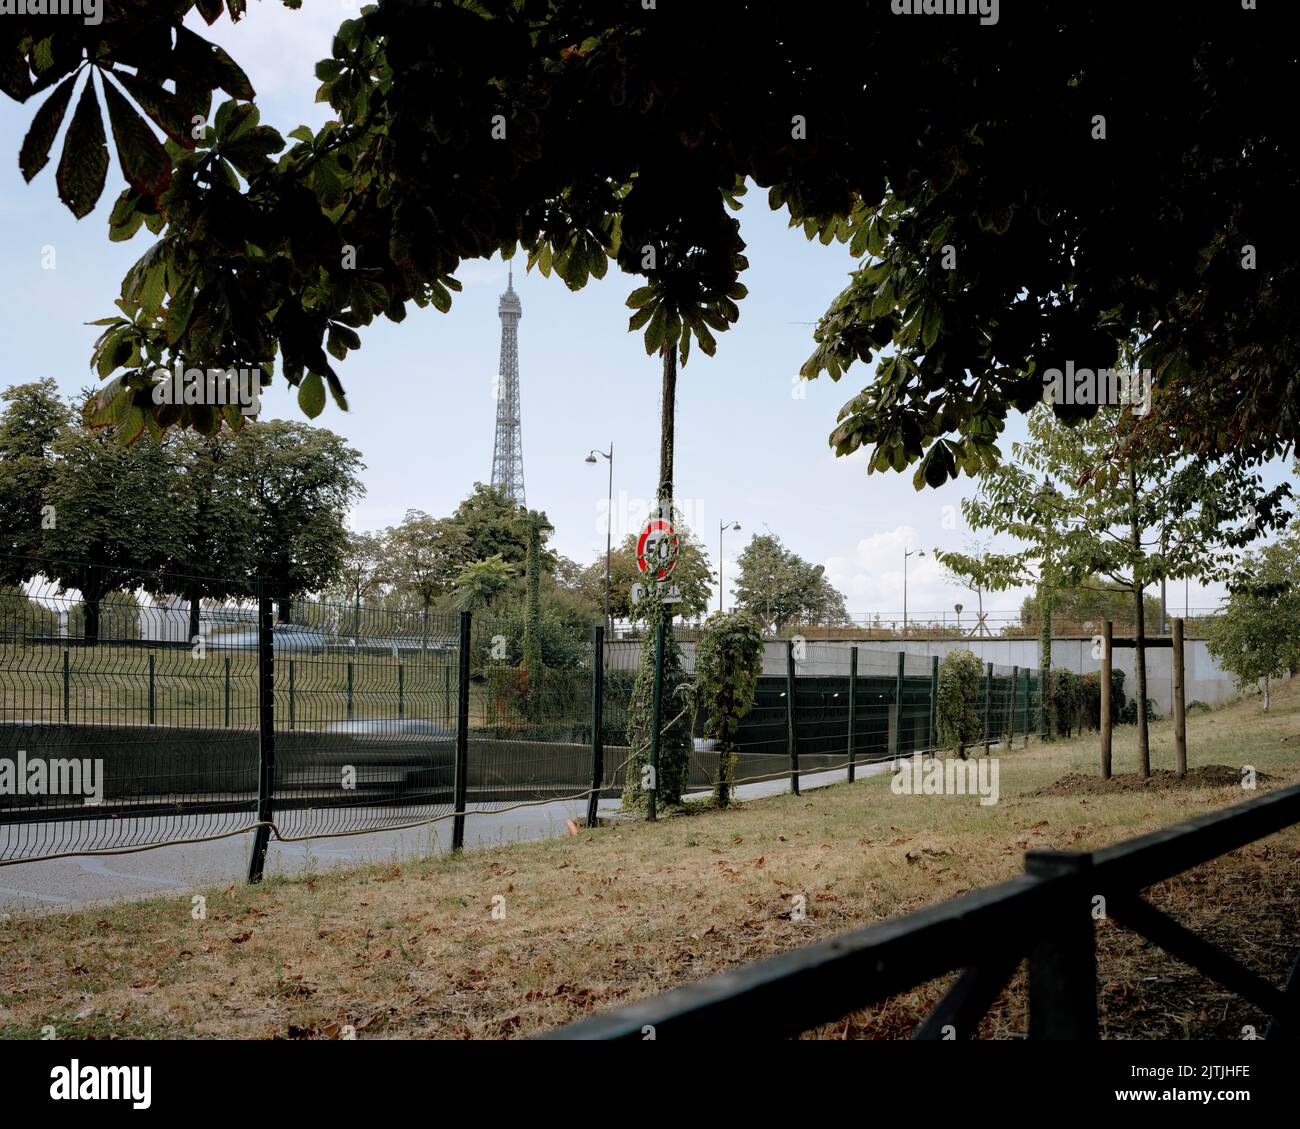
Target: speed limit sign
657 549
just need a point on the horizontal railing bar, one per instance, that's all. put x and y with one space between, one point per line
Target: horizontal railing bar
1151 858
792 992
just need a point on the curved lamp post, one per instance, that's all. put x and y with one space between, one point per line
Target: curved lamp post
609 517
723 526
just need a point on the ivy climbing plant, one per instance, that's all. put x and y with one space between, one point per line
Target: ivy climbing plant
728 661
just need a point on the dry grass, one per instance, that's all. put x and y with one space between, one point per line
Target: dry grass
617 914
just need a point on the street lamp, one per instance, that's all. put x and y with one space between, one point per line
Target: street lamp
609 517
722 527
908 553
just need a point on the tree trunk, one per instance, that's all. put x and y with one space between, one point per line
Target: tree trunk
675 739
1047 707
286 608
195 609
1266 703
667 423
1139 640
91 628
356 620
425 642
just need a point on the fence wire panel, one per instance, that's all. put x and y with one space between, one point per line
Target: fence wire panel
530 733
127 720
621 659
130 711
365 716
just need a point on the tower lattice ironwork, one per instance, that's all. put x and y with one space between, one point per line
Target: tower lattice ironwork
508 448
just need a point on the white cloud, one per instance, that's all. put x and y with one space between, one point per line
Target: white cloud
871 578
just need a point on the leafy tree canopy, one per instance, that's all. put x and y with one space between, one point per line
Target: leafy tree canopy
1016 196
780 588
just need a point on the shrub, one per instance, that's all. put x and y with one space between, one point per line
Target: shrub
957 708
1066 695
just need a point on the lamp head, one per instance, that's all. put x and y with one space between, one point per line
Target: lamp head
590 459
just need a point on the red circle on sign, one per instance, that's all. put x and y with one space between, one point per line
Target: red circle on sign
662 541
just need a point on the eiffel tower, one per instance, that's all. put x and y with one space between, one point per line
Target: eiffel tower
508 448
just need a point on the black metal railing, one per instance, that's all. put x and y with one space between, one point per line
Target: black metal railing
1044 917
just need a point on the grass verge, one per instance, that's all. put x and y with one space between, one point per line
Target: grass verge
514 939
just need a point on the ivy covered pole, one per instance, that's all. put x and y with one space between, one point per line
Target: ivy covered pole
728 661
661 673
533 621
656 723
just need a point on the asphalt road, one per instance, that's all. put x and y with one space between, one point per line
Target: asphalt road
70 883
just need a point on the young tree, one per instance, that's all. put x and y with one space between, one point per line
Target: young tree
1135 518
981 571
32 419
300 482
532 664
362 574
116 523
781 589
492 525
1256 635
216 523
422 558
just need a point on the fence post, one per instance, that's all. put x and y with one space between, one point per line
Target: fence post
66 673
597 723
227 691
401 691
446 693
1105 699
792 740
266 736
1180 702
1011 707
151 688
988 704
1026 707
897 736
349 691
292 695
934 702
1063 956
656 707
853 710
459 782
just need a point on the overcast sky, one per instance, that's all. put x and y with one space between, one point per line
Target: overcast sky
751 440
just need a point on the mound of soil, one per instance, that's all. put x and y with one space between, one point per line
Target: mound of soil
1203 776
